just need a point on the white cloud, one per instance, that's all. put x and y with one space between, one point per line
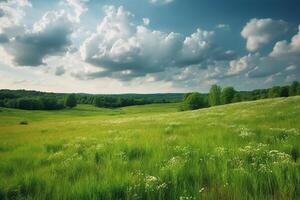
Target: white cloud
12 14
223 26
244 63
258 32
161 1
125 50
77 8
146 21
289 51
50 36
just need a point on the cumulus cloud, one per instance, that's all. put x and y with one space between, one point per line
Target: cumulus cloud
49 36
289 51
242 64
124 50
161 1
284 57
76 9
258 32
11 14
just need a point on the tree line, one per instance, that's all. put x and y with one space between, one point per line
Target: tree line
35 100
39 103
227 95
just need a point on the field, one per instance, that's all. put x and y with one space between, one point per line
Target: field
246 150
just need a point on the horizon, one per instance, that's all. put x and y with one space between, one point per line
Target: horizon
148 46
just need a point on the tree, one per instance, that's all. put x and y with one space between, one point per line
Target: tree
71 101
30 104
294 88
214 97
227 95
194 101
284 91
274 92
51 103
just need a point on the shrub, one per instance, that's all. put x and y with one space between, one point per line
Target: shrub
23 122
194 101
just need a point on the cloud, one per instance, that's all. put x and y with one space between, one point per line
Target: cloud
225 27
146 21
76 9
161 1
244 63
124 50
283 56
3 38
49 36
60 71
11 15
289 51
258 32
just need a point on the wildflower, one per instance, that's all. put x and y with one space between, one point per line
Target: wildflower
245 132
201 190
162 186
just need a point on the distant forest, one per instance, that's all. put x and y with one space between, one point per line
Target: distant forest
35 100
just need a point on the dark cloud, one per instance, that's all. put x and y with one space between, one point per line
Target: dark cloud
2 13
3 38
60 71
52 37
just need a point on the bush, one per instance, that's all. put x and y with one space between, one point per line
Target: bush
23 122
194 101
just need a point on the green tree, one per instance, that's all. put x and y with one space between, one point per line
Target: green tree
284 91
294 88
71 101
194 101
227 95
214 97
274 92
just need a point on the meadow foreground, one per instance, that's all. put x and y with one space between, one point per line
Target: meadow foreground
247 150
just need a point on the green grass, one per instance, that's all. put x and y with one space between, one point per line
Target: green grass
247 150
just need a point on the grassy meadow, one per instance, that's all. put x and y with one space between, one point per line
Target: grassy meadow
246 150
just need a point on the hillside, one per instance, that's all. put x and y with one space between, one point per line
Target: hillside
237 151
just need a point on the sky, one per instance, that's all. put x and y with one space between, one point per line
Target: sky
148 46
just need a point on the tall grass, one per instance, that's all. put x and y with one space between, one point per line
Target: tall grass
239 151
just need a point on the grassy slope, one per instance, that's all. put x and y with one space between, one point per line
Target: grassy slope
152 152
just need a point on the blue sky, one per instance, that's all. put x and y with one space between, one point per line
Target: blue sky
148 46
